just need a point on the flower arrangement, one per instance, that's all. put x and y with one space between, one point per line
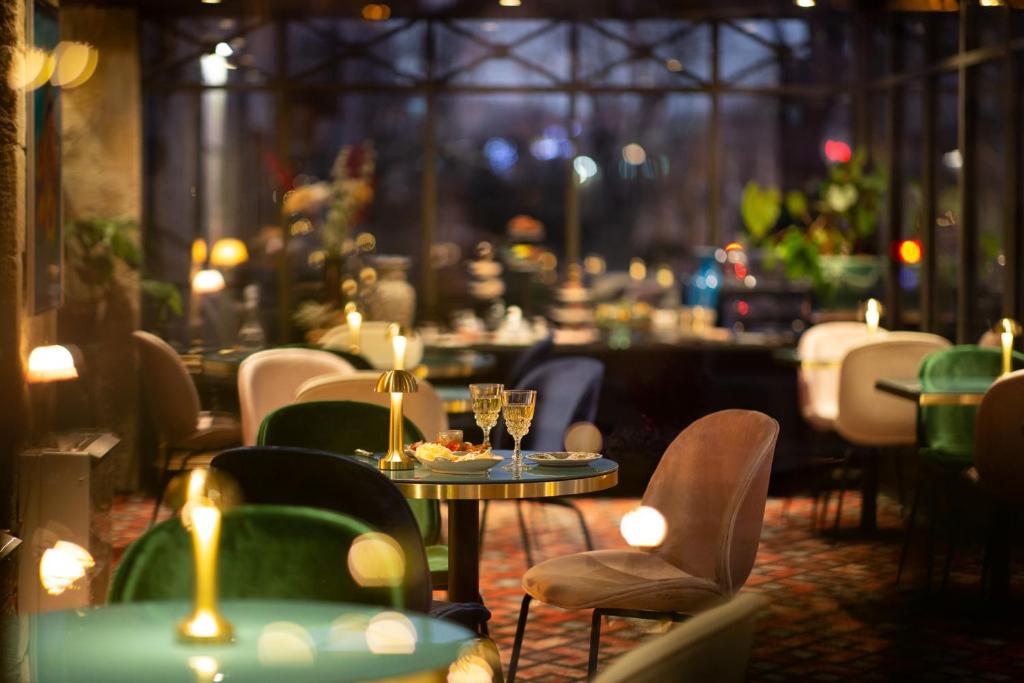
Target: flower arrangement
350 196
838 218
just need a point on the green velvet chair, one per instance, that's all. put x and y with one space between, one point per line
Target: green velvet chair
947 433
266 551
343 427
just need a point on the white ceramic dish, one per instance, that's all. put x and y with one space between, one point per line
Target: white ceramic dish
563 458
471 466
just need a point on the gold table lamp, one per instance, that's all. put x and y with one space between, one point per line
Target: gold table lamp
396 383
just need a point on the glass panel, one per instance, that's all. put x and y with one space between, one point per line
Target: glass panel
750 151
989 178
947 232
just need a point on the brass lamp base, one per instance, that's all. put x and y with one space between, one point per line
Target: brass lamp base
205 627
396 461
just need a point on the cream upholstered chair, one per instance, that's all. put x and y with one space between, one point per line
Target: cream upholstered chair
374 344
711 486
820 350
713 647
999 438
188 437
424 408
268 379
867 418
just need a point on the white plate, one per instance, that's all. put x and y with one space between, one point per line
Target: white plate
474 466
563 458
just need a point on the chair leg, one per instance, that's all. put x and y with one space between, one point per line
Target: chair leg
910 525
517 643
524 533
595 644
842 490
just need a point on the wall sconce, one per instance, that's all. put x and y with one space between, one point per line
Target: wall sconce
50 364
396 383
228 253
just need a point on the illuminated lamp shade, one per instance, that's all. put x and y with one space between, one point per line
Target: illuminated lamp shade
62 565
910 252
75 64
50 364
228 252
644 527
207 282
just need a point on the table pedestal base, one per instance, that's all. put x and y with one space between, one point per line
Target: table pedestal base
464 551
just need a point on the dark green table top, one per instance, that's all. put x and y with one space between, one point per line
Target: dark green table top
275 641
951 391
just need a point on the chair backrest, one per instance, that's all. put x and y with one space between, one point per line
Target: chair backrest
295 476
374 344
342 427
949 430
354 359
529 358
268 379
712 647
869 417
711 486
424 407
568 390
1000 439
820 349
266 551
171 396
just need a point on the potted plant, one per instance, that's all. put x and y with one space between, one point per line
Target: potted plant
825 236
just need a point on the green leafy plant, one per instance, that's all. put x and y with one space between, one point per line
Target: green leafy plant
839 216
96 247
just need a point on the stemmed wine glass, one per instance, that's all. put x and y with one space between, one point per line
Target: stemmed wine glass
517 408
486 407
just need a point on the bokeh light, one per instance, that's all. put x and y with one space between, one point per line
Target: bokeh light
910 252
63 565
74 64
376 560
585 167
285 643
644 527
633 154
30 68
391 633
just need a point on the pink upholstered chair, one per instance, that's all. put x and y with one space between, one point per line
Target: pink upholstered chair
820 350
188 438
267 380
711 486
424 408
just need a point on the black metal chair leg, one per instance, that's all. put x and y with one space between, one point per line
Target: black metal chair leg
524 533
517 644
910 526
595 644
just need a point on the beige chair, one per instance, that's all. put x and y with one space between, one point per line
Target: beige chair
999 438
710 486
374 344
424 408
713 647
268 379
869 419
820 350
188 438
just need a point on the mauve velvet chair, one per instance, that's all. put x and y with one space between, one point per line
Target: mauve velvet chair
711 486
188 438
268 379
713 647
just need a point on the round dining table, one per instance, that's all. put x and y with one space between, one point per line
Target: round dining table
463 493
274 640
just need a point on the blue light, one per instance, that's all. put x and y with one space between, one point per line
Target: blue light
545 148
501 154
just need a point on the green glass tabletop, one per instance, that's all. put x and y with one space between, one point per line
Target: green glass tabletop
499 475
274 641
940 391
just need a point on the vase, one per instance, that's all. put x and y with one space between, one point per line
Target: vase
392 298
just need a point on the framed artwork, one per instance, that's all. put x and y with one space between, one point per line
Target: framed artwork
44 207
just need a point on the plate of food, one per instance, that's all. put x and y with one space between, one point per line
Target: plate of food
563 458
469 460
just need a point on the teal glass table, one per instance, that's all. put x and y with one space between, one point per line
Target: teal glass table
465 491
274 641
954 391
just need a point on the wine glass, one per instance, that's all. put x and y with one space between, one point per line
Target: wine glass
517 408
486 407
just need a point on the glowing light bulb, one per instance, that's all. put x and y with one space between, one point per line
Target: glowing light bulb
207 281
50 364
873 315
62 565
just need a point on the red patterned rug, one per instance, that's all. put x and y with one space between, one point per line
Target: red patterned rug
835 613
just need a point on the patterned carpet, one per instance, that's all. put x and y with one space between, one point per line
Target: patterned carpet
835 612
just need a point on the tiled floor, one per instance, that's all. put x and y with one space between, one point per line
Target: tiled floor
835 613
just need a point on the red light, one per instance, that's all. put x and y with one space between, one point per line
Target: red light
741 271
743 307
837 151
910 252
